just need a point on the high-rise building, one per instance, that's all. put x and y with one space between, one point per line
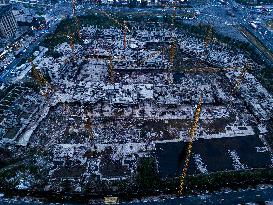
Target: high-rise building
4 2
8 24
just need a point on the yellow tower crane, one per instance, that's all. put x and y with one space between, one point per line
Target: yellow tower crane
37 75
173 43
88 126
192 133
173 46
209 70
241 78
124 36
122 25
172 52
111 70
208 37
76 24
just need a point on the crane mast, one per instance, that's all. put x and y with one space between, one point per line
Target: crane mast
192 133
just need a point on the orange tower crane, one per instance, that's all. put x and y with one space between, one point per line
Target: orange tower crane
173 45
192 133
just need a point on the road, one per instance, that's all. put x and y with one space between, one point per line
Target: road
52 27
258 196
5 76
218 15
256 36
223 198
256 42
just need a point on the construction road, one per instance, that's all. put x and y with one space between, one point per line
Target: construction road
256 42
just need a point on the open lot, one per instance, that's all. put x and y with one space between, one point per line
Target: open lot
215 155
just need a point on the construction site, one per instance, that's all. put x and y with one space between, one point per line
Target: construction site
126 98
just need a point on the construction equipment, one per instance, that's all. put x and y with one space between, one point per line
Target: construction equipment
172 56
240 78
111 18
208 37
71 42
88 123
192 133
209 70
173 42
122 25
76 24
173 14
111 70
172 52
88 126
37 75
124 37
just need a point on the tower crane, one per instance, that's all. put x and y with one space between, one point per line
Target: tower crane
241 78
208 38
173 41
75 22
172 52
210 69
122 25
125 30
192 133
88 126
111 70
124 36
37 75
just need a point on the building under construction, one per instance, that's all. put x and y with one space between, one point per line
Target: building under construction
184 105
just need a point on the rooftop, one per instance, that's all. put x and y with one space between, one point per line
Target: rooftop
4 10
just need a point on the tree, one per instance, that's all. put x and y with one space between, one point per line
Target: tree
147 175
